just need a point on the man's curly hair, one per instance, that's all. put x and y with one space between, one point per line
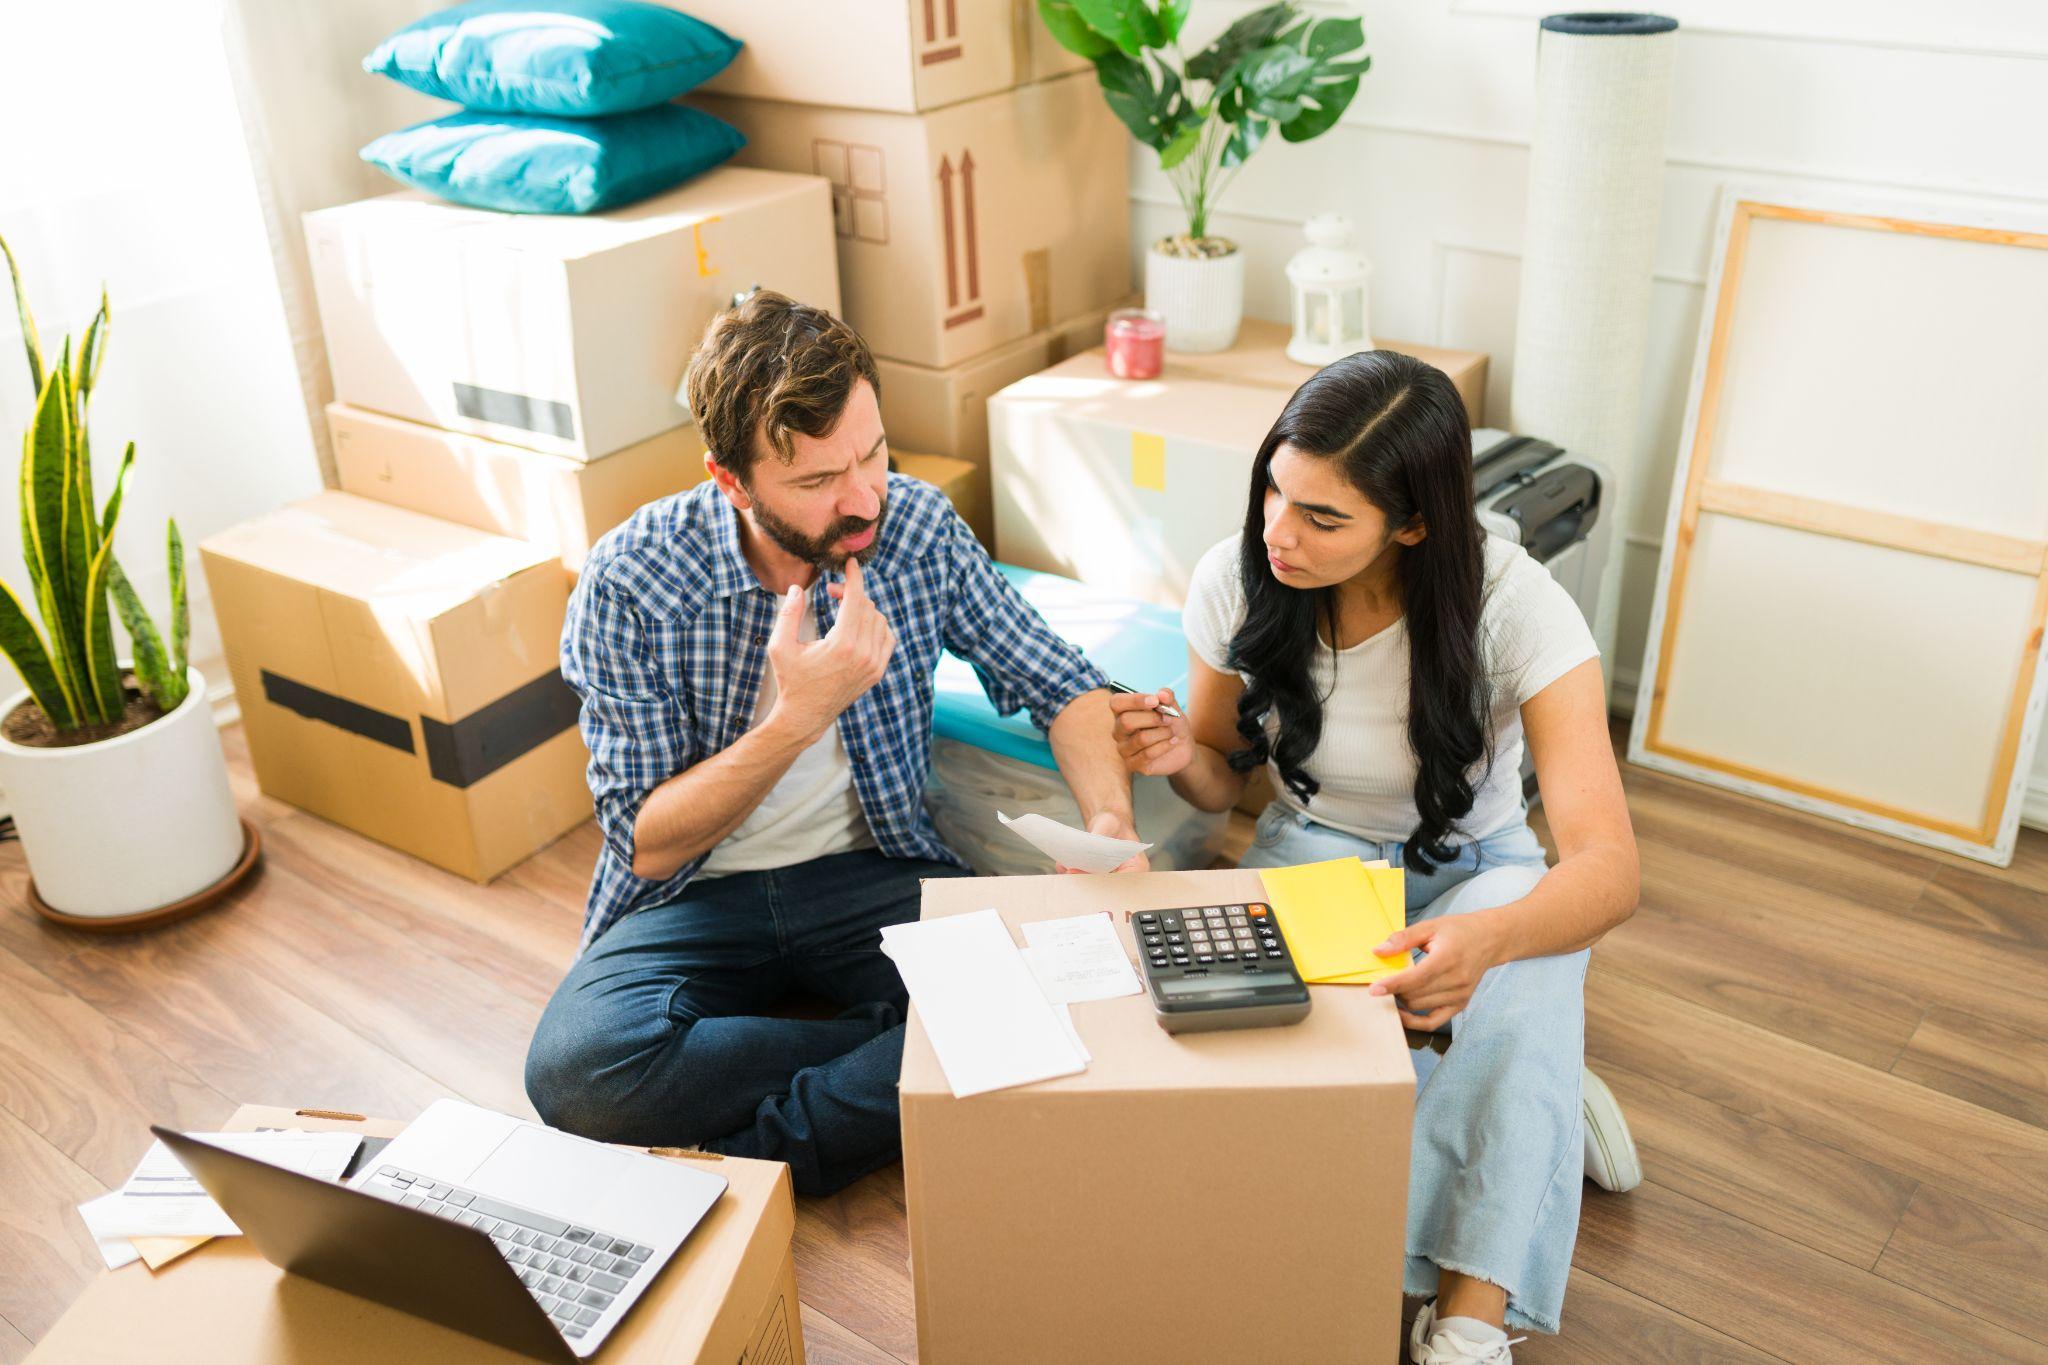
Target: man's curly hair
772 367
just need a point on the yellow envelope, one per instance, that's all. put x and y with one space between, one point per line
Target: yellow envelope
1390 895
1333 914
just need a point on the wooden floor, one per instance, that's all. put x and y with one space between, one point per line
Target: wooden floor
1833 1050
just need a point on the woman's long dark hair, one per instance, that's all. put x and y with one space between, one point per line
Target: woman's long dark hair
1398 432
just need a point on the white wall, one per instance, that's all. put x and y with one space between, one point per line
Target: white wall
1940 101
124 162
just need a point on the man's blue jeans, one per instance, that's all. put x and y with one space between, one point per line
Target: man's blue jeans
658 1035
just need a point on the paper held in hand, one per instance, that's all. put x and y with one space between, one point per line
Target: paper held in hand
1075 848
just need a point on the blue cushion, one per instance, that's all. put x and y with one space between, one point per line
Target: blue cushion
555 165
576 58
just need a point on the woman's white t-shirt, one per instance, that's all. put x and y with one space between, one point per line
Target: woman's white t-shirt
1531 633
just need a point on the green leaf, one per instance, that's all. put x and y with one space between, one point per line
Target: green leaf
1123 22
1330 102
1128 90
152 669
1244 140
46 488
80 524
91 353
23 644
1330 37
1215 62
181 614
108 698
1275 72
113 509
1172 15
29 341
1071 31
1176 151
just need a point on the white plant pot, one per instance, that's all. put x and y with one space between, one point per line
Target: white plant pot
1201 298
128 824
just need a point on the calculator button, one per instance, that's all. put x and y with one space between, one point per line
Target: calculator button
1205 957
1274 952
1147 918
1226 957
1235 909
1256 911
1152 940
1176 938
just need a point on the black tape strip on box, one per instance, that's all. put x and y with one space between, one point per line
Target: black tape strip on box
542 415
493 735
354 717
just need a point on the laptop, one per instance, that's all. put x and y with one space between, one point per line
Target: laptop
521 1235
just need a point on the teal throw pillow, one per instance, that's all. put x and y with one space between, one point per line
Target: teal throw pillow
555 165
574 58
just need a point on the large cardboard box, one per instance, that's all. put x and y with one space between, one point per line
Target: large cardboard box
1259 357
728 1298
969 227
1231 1196
559 333
564 506
964 485
881 54
1124 483
397 674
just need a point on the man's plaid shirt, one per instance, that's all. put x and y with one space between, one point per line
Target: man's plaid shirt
666 641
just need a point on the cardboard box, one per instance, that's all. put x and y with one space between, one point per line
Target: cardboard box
881 54
1230 1196
728 1298
563 334
969 227
397 674
946 410
1125 483
564 506
963 483
1260 358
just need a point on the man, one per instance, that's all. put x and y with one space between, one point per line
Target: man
755 660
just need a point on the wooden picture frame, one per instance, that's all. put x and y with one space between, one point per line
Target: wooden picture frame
1777 544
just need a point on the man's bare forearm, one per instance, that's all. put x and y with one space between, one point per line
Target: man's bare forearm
686 816
1084 746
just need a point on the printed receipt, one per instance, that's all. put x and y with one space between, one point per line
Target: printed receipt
1079 958
1070 847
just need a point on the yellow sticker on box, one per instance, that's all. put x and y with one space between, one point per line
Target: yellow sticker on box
1148 461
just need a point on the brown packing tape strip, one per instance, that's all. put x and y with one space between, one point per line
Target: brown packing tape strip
338 1115
1023 13
1038 287
684 1153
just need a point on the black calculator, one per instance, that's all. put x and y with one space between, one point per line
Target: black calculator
1218 967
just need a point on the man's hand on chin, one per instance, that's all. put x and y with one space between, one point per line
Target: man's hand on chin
1116 827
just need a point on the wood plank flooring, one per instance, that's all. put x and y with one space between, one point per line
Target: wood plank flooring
1833 1050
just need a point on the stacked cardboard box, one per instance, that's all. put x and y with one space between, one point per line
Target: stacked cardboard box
980 190
506 394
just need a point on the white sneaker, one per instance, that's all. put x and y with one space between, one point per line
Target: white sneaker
1429 1344
1611 1160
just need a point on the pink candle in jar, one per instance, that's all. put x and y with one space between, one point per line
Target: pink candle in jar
1135 341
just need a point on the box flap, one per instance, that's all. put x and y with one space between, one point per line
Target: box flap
1081 389
725 190
401 562
1350 1038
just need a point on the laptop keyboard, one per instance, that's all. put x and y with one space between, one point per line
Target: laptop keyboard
573 1272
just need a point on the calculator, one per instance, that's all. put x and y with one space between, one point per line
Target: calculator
1217 967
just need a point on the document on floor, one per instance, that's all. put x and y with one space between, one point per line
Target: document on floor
989 1022
1075 848
163 1200
1079 958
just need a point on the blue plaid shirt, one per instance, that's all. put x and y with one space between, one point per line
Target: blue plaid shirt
666 639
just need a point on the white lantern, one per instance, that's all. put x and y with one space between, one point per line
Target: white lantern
1328 280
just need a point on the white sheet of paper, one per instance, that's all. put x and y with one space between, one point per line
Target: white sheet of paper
163 1200
1079 958
1070 847
989 1022
115 1250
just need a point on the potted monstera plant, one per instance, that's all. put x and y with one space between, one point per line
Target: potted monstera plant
1205 115
112 767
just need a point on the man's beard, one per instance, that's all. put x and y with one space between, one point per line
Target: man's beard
818 551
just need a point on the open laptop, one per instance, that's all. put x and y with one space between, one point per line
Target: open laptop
522 1235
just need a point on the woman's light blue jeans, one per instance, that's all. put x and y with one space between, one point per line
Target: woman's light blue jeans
1494 1182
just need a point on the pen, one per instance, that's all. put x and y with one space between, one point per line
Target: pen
1123 690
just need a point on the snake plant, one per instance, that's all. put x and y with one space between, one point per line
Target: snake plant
68 544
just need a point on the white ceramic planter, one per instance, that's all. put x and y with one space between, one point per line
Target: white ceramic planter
1202 299
129 824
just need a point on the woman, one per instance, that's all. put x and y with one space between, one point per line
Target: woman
1385 658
